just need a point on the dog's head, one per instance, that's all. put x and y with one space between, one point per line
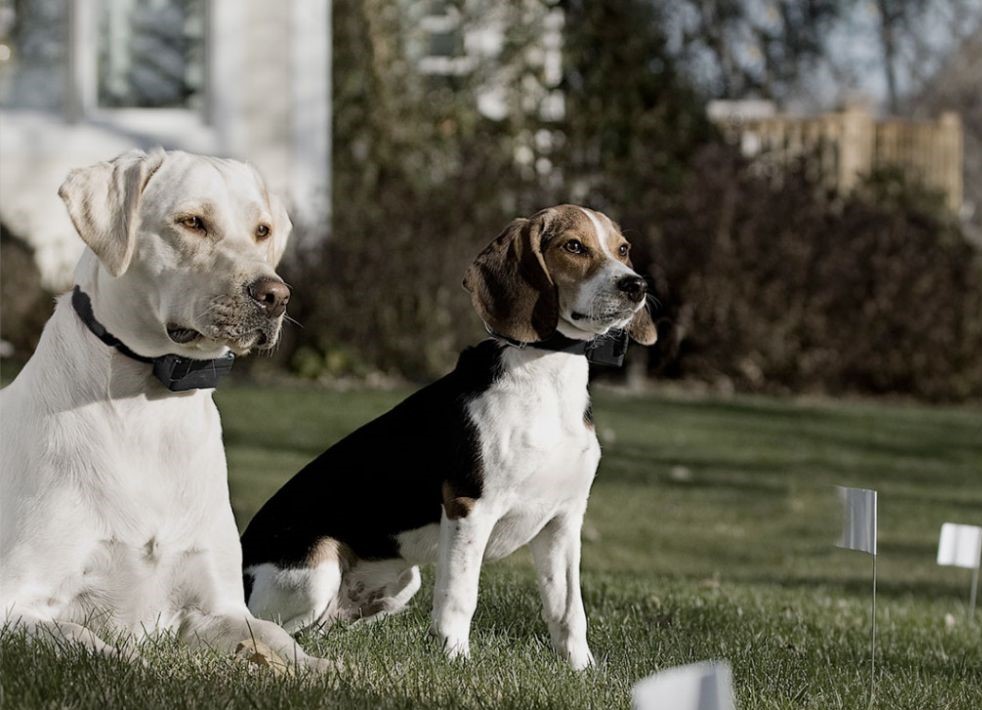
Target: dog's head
565 267
186 248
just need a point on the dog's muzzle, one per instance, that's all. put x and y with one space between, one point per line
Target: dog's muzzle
251 318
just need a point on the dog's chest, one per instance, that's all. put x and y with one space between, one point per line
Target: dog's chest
150 494
142 586
159 467
539 452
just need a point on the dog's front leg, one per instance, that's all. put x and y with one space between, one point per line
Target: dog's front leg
65 632
556 552
226 632
458 572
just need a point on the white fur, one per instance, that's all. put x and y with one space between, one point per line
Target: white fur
114 505
539 459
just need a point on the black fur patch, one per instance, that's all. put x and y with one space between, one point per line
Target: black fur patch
383 479
247 581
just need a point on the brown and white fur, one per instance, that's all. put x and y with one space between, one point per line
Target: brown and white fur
114 504
498 454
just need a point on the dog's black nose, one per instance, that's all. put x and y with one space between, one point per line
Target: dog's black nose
634 287
270 294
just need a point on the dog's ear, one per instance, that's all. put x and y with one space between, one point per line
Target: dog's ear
642 328
282 226
103 202
510 286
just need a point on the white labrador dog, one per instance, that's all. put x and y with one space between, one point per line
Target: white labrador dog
114 503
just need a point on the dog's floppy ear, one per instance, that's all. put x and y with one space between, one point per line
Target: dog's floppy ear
103 201
510 286
642 328
282 226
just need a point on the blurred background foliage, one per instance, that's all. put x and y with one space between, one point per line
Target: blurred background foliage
765 286
450 118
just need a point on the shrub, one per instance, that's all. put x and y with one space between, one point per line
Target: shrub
791 289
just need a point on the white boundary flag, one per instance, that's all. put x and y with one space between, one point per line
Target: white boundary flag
960 545
859 533
700 686
858 519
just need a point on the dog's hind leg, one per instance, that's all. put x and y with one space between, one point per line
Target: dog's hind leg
392 598
294 597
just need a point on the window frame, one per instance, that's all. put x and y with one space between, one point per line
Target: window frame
169 125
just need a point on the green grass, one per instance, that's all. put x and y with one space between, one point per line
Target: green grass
708 536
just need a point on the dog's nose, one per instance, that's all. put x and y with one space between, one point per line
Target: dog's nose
634 287
271 295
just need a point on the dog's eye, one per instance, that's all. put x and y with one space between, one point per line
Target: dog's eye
574 246
192 222
262 231
624 249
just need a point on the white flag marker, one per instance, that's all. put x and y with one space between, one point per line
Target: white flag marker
700 686
859 519
961 546
859 533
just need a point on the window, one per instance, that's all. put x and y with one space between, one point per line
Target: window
445 44
151 54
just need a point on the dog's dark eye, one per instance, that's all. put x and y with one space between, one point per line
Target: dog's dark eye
262 231
624 249
193 222
574 246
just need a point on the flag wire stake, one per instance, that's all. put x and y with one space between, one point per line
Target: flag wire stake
872 638
973 594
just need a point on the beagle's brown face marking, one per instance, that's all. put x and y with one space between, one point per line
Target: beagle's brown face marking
456 506
566 268
580 243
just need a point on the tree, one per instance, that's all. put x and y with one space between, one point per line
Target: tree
422 181
751 48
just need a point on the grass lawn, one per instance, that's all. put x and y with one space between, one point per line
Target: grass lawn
709 535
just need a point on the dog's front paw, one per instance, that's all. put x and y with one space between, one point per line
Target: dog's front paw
579 656
322 665
259 654
455 643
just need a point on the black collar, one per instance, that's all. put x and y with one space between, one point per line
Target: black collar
175 372
607 350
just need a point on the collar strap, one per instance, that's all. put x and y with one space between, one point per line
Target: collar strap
607 350
175 372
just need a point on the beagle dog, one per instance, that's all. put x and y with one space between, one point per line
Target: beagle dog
497 454
114 506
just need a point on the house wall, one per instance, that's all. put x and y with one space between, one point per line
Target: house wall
267 101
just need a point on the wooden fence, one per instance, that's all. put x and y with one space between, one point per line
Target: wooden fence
840 148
